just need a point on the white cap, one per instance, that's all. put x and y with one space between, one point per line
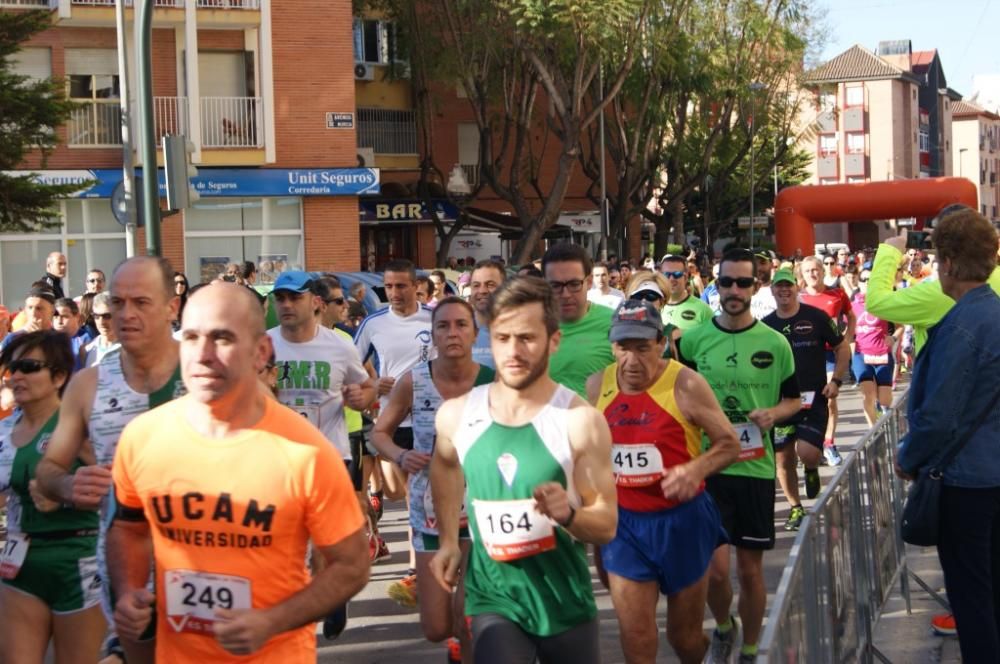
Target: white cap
648 286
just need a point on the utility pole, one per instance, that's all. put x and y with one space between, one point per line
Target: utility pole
755 87
144 80
605 230
128 162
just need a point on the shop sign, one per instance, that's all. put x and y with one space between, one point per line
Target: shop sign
403 211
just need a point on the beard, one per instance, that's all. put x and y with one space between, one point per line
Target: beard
535 372
744 305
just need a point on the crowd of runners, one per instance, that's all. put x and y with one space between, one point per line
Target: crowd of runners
183 484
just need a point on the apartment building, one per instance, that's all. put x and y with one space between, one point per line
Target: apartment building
876 118
266 93
976 132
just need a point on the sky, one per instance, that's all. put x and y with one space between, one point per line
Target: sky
963 32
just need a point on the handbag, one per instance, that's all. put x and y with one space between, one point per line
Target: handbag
921 521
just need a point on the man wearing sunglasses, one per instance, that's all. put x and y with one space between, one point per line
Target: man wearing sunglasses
750 369
584 348
682 310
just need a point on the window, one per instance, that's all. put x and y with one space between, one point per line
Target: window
856 143
827 101
828 145
828 181
925 141
855 95
92 80
35 63
375 42
387 131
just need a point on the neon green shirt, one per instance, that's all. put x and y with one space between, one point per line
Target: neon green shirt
583 350
686 314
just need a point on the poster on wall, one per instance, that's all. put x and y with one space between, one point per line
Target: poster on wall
212 267
269 266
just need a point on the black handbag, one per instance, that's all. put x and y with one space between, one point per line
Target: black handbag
922 512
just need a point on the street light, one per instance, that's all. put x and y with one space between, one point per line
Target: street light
755 87
960 160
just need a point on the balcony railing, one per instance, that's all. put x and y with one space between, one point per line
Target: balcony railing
98 123
29 4
204 4
471 174
232 122
387 131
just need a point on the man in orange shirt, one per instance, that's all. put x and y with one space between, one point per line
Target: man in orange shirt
227 488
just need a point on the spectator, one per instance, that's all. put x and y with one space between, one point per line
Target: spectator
55 272
424 289
358 292
181 288
953 401
440 282
248 272
95 281
67 320
107 338
87 314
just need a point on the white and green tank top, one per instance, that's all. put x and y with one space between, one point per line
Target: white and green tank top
522 566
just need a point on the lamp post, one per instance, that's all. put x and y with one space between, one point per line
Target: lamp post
755 87
961 159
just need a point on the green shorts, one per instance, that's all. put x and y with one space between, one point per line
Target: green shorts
62 573
428 543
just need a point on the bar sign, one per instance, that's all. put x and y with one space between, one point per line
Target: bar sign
340 120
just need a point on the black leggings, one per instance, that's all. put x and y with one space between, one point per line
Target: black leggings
496 639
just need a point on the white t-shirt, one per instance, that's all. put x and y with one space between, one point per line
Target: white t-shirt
611 300
310 378
762 303
400 342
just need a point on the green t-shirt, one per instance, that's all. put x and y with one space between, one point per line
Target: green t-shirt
747 369
686 314
583 350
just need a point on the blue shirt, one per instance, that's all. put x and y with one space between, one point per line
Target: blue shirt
955 380
481 352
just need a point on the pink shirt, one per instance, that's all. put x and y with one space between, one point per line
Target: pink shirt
871 332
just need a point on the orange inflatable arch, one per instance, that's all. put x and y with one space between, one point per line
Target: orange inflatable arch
796 209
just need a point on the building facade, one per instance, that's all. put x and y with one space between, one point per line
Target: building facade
976 133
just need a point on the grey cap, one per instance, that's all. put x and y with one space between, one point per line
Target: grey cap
635 319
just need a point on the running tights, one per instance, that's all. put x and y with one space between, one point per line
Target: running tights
497 640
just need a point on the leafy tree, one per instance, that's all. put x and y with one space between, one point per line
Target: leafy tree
30 110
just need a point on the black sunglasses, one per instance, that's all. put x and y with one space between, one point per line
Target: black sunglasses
742 282
27 365
647 295
98 316
339 301
827 262
676 274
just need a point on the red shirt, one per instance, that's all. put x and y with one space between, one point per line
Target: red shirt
832 301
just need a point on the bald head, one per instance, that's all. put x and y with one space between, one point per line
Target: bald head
55 264
236 300
155 265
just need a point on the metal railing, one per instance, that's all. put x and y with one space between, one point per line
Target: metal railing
229 4
170 116
232 122
387 131
98 123
128 3
471 174
33 4
203 4
846 558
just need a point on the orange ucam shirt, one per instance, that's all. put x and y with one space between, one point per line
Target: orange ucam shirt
230 521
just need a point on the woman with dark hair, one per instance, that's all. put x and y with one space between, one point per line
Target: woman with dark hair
87 314
181 289
50 587
954 420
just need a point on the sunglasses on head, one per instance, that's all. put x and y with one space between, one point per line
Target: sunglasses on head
27 365
742 282
676 274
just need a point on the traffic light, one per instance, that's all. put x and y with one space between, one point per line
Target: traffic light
178 171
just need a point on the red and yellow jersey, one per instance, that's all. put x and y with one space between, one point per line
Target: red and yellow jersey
649 434
230 521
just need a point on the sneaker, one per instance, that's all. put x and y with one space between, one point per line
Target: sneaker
404 591
832 456
944 625
721 651
812 482
454 651
335 623
795 518
376 500
378 549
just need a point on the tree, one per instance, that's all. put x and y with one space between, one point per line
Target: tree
30 110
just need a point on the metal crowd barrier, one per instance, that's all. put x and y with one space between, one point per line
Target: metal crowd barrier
846 559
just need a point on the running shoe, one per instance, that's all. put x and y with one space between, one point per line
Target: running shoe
376 500
944 625
454 651
335 623
832 456
795 518
812 482
404 591
377 549
721 651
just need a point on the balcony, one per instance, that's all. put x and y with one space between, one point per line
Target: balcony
854 119
856 165
387 131
826 166
826 122
177 4
232 122
28 4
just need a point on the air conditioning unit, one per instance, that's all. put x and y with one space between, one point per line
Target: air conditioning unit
366 157
364 71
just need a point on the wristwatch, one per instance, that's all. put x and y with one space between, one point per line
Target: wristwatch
838 382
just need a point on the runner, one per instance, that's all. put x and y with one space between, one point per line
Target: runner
650 287
873 364
99 402
668 527
583 325
763 302
834 303
750 369
486 277
420 393
602 292
51 589
229 546
527 583
682 309
809 331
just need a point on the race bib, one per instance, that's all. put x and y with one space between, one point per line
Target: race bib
308 411
636 465
15 549
807 400
876 360
751 441
193 597
512 529
430 516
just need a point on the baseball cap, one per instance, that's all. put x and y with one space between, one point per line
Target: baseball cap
635 319
784 276
43 293
648 286
294 280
